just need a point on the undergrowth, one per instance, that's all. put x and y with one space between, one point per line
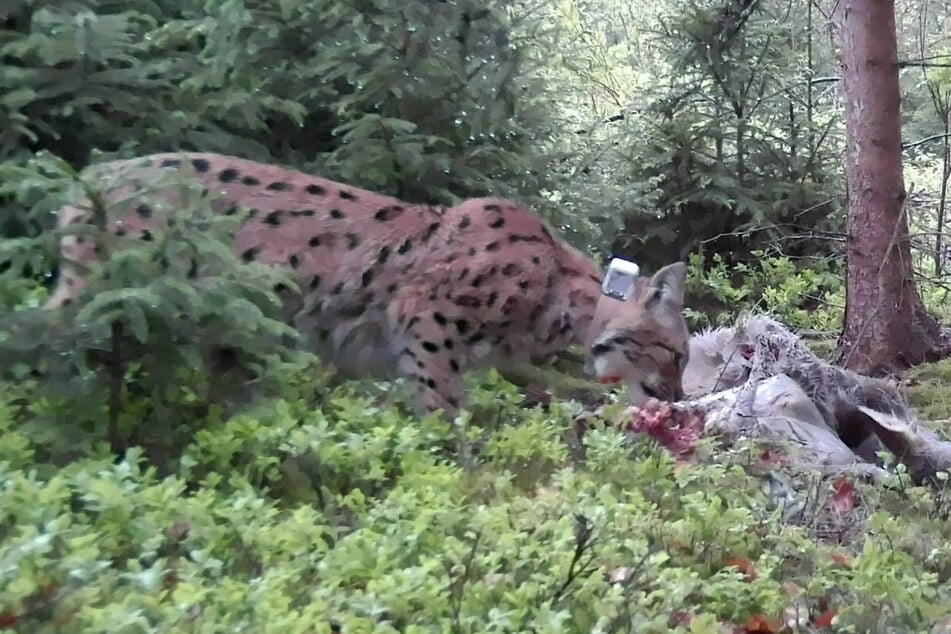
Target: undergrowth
327 508
927 388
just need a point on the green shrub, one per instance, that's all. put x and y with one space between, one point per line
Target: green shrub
325 508
802 296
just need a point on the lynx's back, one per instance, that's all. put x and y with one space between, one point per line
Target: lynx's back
389 288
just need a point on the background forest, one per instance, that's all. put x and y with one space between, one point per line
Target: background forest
708 130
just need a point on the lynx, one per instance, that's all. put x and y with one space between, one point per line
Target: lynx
420 291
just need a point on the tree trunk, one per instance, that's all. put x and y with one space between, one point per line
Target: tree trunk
886 325
943 200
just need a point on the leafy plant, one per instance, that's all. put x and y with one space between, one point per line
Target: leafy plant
158 307
801 296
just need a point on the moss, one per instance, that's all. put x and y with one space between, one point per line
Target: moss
928 388
823 348
563 378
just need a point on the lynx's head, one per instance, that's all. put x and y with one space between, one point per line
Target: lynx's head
642 342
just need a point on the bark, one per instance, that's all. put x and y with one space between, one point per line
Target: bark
943 200
886 325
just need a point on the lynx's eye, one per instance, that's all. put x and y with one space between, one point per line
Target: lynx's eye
604 347
600 348
679 360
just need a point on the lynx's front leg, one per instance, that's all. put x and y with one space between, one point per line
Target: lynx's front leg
432 354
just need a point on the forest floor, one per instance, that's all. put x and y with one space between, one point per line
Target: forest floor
323 504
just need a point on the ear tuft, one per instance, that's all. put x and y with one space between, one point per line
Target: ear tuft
669 283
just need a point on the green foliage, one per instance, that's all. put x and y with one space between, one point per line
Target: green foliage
927 391
810 297
427 102
305 513
153 311
724 148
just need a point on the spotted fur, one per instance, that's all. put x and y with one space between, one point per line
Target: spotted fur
426 292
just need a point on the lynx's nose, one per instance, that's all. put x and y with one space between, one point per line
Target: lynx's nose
588 366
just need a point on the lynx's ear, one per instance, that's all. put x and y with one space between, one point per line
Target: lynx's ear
667 285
